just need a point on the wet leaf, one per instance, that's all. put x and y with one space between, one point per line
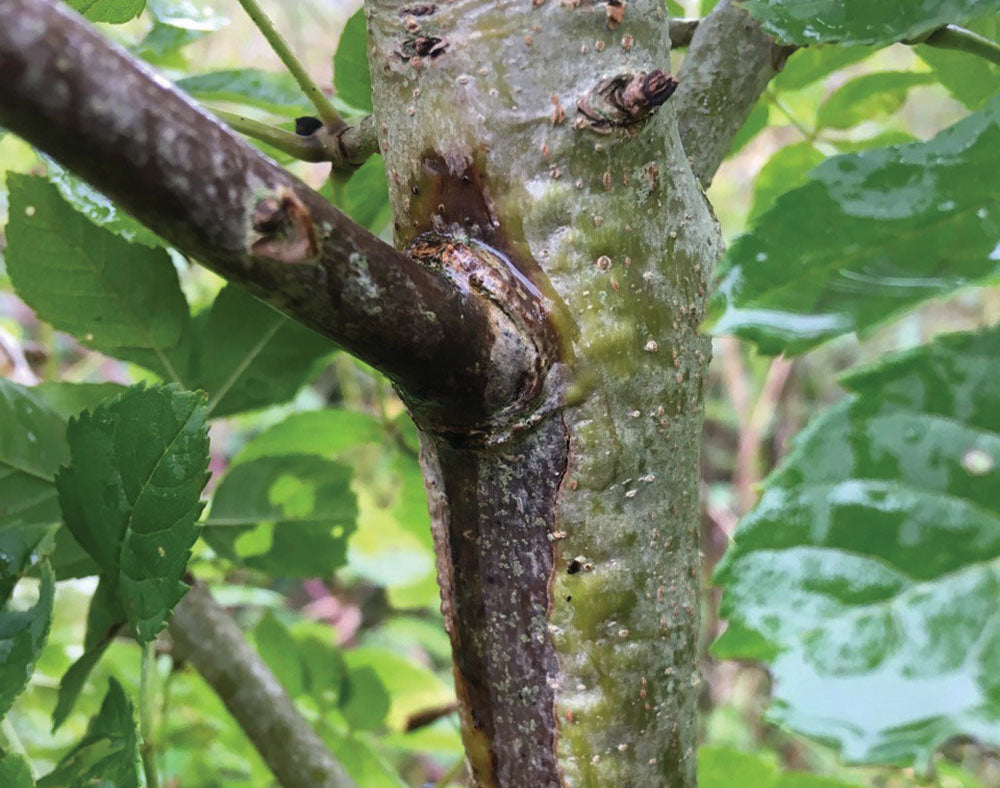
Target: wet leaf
868 236
868 574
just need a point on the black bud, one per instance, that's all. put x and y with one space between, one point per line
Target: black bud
307 125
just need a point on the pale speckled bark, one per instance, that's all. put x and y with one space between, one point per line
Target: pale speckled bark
728 65
595 684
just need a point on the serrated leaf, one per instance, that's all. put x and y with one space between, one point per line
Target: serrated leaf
288 516
868 97
326 433
806 22
784 171
351 76
71 399
271 91
254 356
105 618
22 636
808 64
120 298
130 495
972 80
15 772
868 236
108 755
113 11
868 573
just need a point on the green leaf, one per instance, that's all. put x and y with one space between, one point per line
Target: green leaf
361 760
32 446
868 573
365 197
721 767
71 399
108 755
972 80
113 11
279 650
806 22
326 433
22 635
808 64
351 77
254 356
104 619
130 495
784 171
868 97
120 298
755 123
288 516
366 702
176 23
15 772
868 236
272 91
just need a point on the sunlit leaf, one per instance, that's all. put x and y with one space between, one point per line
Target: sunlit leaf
289 516
15 772
272 91
808 64
327 433
806 22
114 11
972 80
784 171
868 236
120 298
868 574
868 97
130 495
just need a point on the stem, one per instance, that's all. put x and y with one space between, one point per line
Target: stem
324 107
958 38
303 148
147 706
805 131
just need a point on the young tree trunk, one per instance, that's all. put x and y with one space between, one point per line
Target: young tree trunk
523 141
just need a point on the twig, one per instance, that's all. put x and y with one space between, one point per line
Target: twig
147 706
204 635
303 148
959 38
324 106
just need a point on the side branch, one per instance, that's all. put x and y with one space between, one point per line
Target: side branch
206 636
727 66
109 118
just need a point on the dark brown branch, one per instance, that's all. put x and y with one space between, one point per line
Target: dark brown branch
727 66
204 635
109 118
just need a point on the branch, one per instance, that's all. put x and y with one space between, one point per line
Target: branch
346 149
958 38
728 65
109 118
207 637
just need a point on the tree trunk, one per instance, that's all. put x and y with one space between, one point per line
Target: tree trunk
525 152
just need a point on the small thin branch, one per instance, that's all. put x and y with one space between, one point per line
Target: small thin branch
204 635
324 106
303 148
147 705
110 119
963 40
728 65
800 127
682 31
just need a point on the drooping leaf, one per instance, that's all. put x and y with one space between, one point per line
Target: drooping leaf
808 64
868 574
108 755
271 91
120 298
113 11
972 80
869 235
351 76
326 433
15 772
807 22
868 97
104 619
22 635
365 701
288 516
254 356
130 495
784 171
